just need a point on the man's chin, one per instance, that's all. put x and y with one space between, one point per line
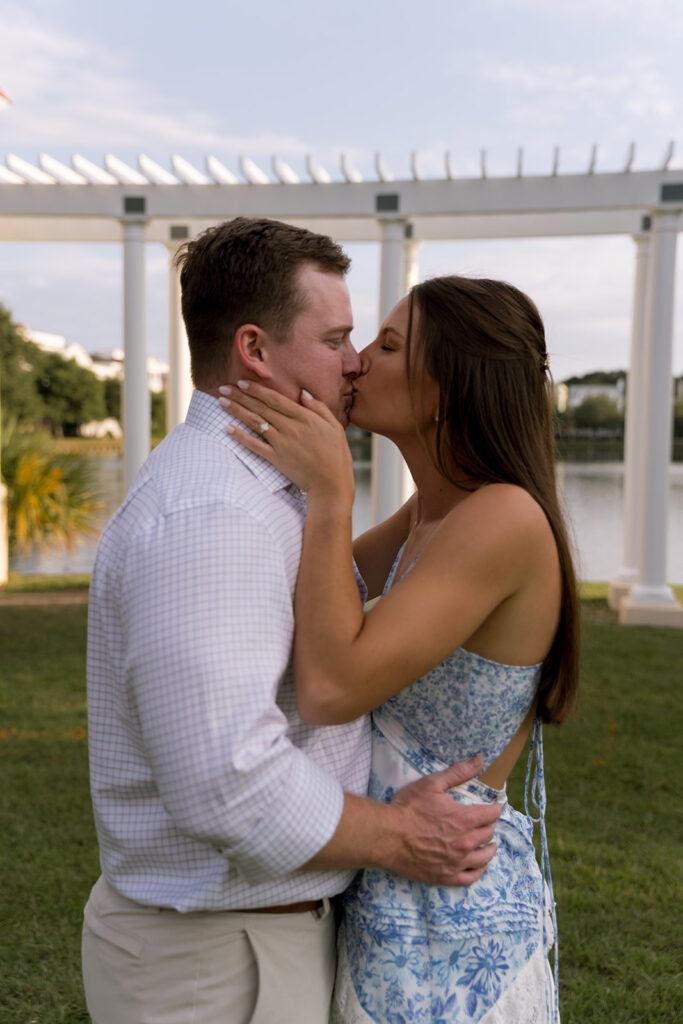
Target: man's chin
344 416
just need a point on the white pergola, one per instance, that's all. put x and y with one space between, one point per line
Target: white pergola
51 201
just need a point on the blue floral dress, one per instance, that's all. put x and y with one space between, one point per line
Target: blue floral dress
411 953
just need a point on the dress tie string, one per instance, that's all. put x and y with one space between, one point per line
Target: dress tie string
535 797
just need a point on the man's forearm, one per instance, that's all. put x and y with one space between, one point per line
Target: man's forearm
367 835
422 834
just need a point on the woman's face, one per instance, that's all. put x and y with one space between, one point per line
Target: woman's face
382 401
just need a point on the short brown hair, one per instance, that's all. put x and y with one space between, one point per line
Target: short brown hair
483 342
245 271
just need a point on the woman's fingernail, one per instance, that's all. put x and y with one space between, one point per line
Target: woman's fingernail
307 394
224 402
230 429
225 389
243 384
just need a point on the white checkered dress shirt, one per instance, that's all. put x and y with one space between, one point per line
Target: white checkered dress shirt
209 792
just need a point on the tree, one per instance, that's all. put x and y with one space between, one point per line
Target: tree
678 419
158 413
71 395
598 413
112 397
598 377
20 364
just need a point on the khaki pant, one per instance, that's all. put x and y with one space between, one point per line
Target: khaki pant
143 965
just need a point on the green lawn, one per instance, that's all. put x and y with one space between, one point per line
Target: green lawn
613 821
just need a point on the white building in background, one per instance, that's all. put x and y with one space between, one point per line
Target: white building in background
105 365
102 428
578 393
58 345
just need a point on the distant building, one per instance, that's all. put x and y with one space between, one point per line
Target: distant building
57 344
105 365
102 428
577 393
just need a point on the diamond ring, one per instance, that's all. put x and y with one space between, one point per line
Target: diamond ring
263 426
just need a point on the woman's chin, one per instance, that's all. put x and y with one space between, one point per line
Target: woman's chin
357 418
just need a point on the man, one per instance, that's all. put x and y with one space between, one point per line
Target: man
225 823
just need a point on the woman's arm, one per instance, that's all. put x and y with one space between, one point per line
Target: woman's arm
481 556
477 562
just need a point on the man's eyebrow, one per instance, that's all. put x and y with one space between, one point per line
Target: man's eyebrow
343 329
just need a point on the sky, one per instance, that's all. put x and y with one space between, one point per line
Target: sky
359 77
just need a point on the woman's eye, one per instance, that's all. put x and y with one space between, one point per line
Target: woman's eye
387 348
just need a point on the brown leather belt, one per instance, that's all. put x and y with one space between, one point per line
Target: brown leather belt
287 908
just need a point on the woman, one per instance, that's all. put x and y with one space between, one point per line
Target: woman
472 646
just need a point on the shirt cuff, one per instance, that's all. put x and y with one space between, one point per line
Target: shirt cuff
301 819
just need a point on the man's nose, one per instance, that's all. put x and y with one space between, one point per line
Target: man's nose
351 365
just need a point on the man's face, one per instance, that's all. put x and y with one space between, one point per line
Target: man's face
318 354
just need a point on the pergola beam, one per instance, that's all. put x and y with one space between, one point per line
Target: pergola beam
410 198
132 206
90 228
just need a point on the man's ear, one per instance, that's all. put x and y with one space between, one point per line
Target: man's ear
251 350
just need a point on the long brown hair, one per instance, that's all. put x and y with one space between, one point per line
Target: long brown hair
483 342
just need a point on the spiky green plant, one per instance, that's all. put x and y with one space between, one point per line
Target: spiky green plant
52 499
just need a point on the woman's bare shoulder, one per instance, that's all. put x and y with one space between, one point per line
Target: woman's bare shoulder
506 506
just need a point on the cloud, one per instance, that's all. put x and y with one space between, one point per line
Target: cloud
583 288
636 88
621 10
67 91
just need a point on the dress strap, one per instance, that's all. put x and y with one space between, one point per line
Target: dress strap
535 798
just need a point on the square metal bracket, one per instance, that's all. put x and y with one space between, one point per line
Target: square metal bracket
387 202
134 204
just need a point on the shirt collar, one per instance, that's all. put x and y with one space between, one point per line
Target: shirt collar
206 414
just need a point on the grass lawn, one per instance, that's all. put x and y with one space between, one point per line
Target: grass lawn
19 583
613 821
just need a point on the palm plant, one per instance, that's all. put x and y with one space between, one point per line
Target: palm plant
52 499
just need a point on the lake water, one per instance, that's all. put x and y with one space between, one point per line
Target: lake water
592 493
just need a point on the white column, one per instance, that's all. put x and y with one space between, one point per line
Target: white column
634 450
136 400
179 390
387 462
412 264
651 601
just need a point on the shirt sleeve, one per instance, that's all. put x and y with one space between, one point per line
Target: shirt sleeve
208 622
